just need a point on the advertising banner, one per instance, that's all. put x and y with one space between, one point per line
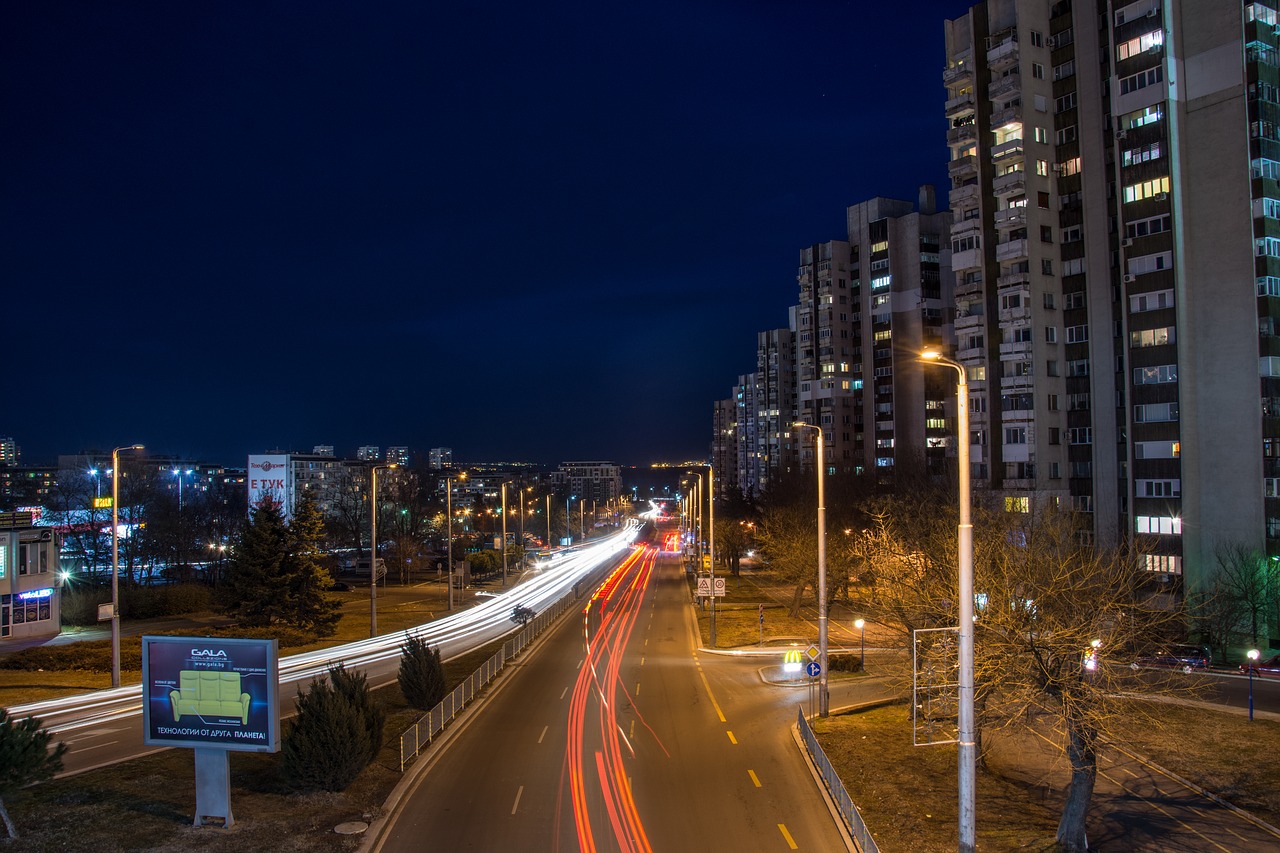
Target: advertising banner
203 692
270 476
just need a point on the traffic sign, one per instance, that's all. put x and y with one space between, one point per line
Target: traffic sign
719 587
706 561
813 668
812 652
761 614
704 585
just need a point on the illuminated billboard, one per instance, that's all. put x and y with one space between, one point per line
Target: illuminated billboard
271 475
203 692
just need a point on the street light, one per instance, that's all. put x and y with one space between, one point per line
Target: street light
967 769
1253 655
820 465
373 546
115 561
180 474
448 503
861 625
504 534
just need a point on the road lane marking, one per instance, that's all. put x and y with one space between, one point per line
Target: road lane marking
637 688
544 733
755 780
733 740
714 703
642 660
633 729
80 749
791 842
562 692
516 804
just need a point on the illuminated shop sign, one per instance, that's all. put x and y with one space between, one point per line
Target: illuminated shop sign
33 594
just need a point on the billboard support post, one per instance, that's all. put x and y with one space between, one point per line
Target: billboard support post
213 785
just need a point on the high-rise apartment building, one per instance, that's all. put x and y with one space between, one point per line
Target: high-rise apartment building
773 451
440 458
867 308
8 451
368 453
1115 178
398 456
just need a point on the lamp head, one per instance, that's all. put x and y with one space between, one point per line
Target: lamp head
931 354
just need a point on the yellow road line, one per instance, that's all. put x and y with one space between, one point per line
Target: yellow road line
791 842
710 696
755 780
733 740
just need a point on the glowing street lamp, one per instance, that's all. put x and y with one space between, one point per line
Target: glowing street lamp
968 763
861 625
448 503
1253 655
115 561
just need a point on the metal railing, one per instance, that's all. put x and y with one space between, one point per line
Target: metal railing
421 733
848 811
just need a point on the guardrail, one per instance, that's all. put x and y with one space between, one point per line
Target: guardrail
421 733
848 811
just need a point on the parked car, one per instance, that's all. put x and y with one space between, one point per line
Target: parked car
1269 667
1176 655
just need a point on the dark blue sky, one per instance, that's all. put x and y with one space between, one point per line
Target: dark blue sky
533 231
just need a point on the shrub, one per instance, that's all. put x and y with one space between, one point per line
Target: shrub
328 743
844 663
355 688
421 674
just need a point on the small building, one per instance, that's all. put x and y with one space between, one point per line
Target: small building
29 589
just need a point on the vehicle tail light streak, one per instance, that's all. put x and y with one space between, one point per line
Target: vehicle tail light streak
607 622
454 635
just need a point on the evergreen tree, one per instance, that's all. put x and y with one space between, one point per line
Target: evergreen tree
354 687
275 574
25 758
328 743
254 593
421 674
306 581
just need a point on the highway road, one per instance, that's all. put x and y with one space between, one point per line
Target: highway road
617 734
105 727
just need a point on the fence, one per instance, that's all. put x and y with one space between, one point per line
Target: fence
414 738
848 811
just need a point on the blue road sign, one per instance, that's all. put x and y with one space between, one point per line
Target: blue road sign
813 668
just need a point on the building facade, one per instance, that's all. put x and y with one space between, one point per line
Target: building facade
1116 246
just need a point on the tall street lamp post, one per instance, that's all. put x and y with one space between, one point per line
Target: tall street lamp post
115 561
373 547
504 534
861 625
1253 655
448 503
820 465
967 741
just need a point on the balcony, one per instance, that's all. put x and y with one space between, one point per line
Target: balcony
1006 150
1014 182
1004 87
966 260
960 105
959 70
1013 279
963 133
1011 216
1006 116
1011 250
973 354
1003 55
1015 352
1010 315
969 321
966 228
963 168
962 194
968 288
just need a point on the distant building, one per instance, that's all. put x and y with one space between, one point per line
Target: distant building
322 450
368 453
597 481
397 456
8 451
440 458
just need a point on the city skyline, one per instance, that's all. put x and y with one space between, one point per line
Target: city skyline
489 228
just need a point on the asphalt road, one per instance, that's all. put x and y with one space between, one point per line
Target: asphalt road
635 742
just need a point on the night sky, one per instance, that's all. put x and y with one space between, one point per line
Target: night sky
525 231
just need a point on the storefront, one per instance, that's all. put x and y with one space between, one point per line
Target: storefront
29 599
